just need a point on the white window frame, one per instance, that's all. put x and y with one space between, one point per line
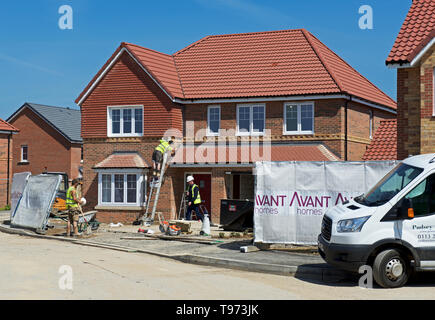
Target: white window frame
22 153
133 122
371 117
140 187
209 133
299 107
251 120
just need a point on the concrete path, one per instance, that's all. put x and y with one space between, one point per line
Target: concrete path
226 254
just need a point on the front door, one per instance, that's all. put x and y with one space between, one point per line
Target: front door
204 183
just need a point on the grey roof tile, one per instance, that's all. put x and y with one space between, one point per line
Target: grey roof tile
65 120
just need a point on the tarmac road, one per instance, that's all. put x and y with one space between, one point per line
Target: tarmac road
29 269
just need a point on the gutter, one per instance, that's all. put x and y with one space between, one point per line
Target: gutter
9 170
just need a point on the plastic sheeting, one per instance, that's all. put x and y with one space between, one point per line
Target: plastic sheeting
33 208
292 197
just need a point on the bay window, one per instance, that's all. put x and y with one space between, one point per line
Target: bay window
121 188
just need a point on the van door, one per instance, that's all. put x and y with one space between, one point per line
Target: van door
420 231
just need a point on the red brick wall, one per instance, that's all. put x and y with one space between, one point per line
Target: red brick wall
415 120
46 147
329 127
4 179
127 84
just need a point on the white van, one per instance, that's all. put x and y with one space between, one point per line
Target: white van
391 228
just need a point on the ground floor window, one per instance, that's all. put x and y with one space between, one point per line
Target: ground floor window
121 188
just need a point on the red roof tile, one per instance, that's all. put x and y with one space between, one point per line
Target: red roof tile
417 31
122 160
5 126
249 154
384 143
261 64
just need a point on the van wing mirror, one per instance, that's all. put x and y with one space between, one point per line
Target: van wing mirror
406 210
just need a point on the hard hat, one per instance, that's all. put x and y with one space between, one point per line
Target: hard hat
83 201
190 178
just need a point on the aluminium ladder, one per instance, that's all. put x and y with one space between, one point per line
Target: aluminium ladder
147 218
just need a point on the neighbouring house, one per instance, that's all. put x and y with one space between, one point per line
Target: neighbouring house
230 100
384 143
7 131
49 140
413 55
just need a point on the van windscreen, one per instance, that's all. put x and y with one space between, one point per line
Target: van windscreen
390 185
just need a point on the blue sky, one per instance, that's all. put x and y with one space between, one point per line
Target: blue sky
41 63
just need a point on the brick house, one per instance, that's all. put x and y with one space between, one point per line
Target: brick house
6 142
413 55
49 139
230 100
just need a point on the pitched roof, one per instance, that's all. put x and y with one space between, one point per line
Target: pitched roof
122 160
261 64
417 31
211 154
65 120
5 126
384 143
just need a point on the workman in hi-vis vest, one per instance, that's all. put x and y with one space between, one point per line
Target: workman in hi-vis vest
72 204
193 199
160 150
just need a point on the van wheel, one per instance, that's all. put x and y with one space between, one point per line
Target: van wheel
391 269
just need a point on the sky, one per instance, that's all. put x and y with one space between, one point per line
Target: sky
42 63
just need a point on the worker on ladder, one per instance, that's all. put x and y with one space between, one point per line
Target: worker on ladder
193 199
159 151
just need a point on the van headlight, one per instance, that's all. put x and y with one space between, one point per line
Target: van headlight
351 225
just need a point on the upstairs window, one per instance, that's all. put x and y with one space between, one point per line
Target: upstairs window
125 121
213 120
251 119
299 118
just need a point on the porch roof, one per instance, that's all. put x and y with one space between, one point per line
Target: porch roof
123 160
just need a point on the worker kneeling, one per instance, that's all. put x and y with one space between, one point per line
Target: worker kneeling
193 199
158 154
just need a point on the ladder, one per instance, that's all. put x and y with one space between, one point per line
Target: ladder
148 218
183 207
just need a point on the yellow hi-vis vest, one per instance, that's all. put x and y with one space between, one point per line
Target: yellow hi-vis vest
163 146
198 199
70 203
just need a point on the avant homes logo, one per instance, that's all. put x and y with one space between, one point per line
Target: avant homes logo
304 204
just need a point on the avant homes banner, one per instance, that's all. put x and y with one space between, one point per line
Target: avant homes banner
292 197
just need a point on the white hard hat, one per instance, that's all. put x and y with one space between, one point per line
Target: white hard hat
190 178
83 201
